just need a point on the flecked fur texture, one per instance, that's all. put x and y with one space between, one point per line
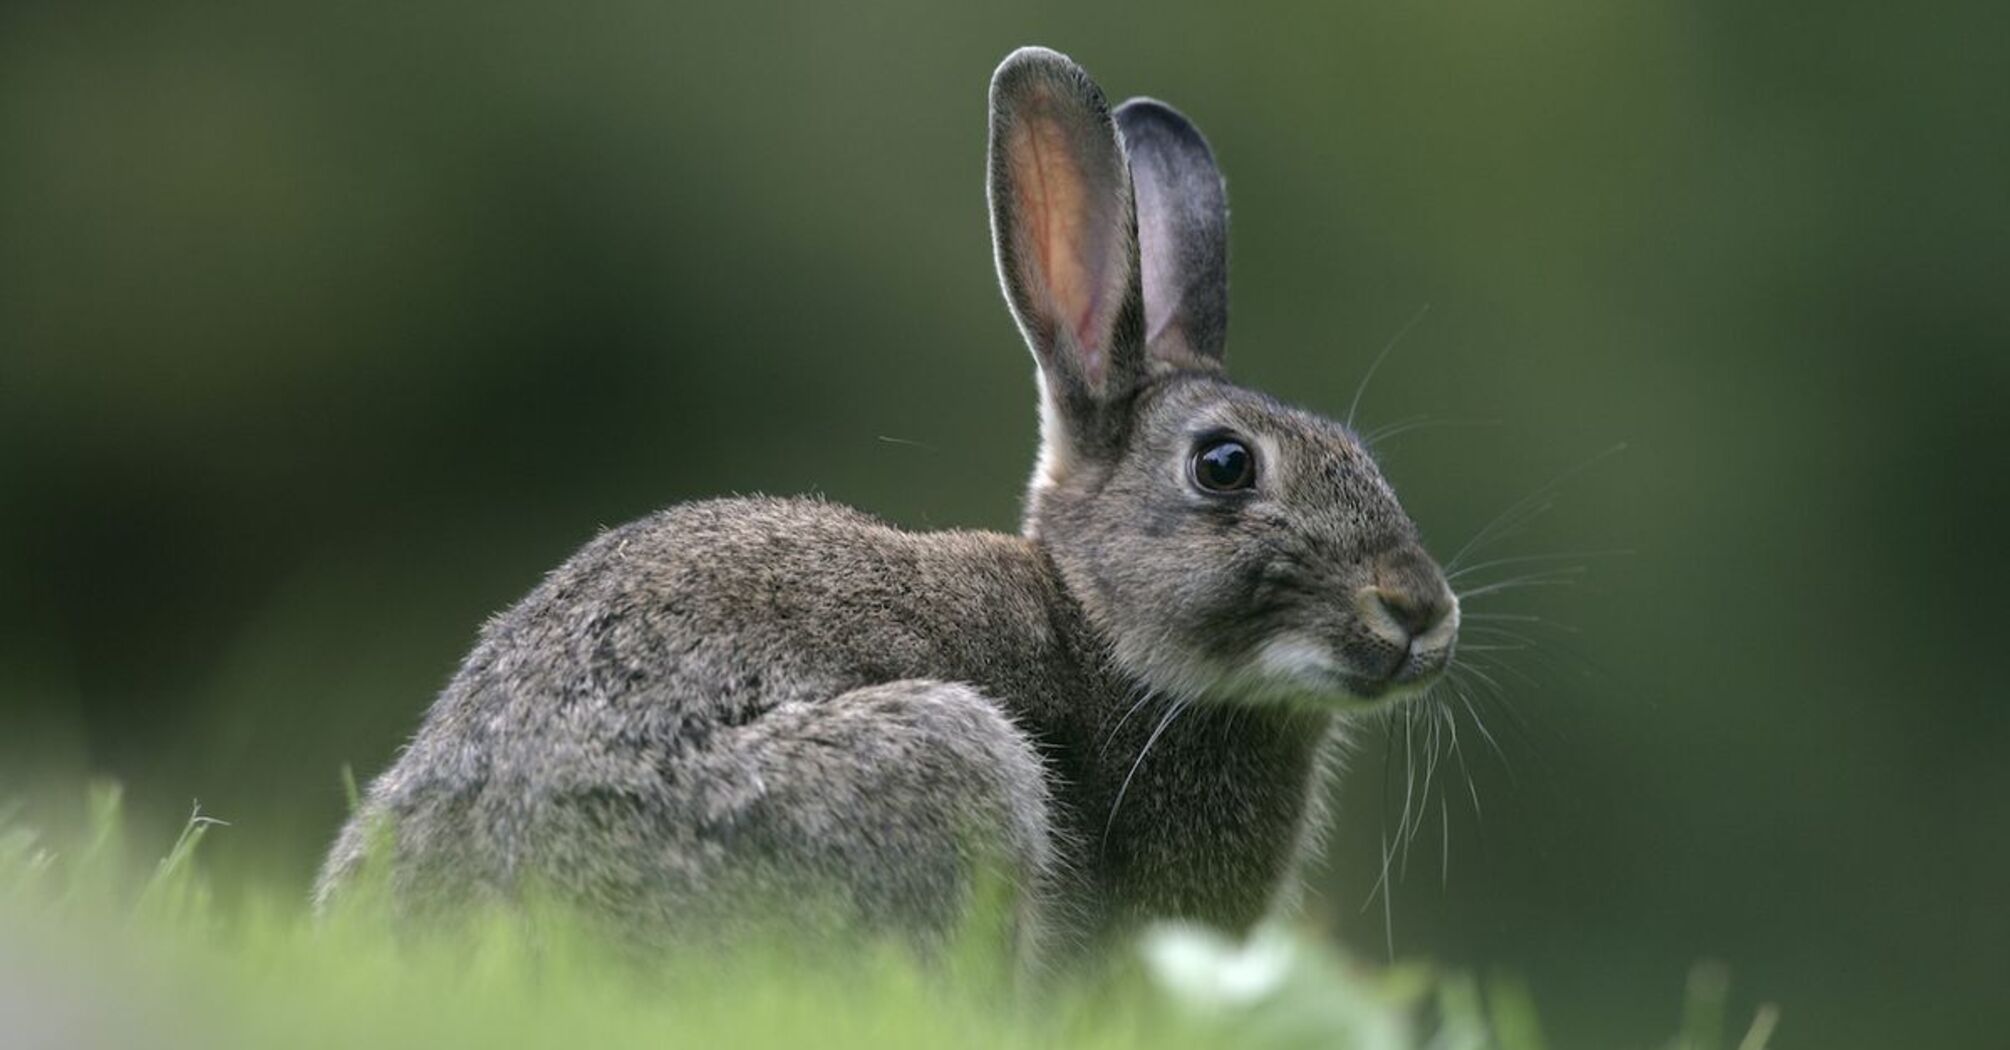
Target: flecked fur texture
783 712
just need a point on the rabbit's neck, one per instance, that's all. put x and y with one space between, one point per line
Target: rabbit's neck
1205 811
1181 809
1172 809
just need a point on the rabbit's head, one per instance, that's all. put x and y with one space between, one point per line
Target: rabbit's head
1228 545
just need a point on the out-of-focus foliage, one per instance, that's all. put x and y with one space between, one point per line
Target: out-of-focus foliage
190 971
326 328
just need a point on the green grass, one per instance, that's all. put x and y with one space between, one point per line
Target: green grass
98 950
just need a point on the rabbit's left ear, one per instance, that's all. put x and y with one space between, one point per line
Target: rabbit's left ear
1063 231
1182 216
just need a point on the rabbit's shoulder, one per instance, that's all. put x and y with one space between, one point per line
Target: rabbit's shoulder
801 543
726 584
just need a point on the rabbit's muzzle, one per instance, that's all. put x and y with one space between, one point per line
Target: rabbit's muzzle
1409 622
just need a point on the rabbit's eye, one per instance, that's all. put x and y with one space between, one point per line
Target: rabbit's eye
1224 465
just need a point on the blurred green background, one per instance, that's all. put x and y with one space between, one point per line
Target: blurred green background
326 328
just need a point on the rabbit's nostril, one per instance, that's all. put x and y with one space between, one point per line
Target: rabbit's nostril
1399 616
1415 613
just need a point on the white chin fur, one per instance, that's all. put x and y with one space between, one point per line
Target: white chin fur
1294 657
1288 668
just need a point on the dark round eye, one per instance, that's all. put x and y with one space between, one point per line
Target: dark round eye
1223 465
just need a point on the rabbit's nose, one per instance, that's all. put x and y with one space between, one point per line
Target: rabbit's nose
1408 604
1416 613
1406 628
1399 617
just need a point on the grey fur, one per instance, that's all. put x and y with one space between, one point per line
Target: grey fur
749 711
1183 239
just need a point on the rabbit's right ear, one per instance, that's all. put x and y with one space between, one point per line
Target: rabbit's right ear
1182 210
1063 229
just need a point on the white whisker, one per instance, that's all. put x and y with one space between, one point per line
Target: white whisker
1485 733
1146 697
1452 725
1520 508
1383 433
1525 559
1444 846
1125 788
1369 377
1552 578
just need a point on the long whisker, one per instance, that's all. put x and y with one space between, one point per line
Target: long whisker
1479 619
1409 771
1551 578
1383 886
1507 668
1430 772
1492 688
1125 788
1355 404
1529 558
1397 427
1388 764
1504 525
1389 430
1403 832
1147 696
1520 507
1445 845
1388 901
1494 635
1465 771
1485 733
1492 631
1473 668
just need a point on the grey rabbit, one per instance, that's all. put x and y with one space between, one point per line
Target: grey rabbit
787 711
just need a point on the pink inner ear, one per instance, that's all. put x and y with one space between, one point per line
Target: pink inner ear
1056 215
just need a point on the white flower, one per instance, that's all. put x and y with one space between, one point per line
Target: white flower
1209 970
1276 989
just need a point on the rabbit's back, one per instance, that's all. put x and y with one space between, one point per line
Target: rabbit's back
711 613
720 609
591 735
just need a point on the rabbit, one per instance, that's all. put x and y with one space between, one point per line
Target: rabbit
750 710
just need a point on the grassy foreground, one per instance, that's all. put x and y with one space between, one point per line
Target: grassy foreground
97 951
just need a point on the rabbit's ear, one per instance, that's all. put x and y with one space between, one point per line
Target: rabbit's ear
1182 209
1064 233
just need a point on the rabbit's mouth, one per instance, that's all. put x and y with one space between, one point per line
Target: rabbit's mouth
1302 665
1335 667
1386 691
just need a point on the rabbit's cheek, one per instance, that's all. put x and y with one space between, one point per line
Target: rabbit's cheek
1297 657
